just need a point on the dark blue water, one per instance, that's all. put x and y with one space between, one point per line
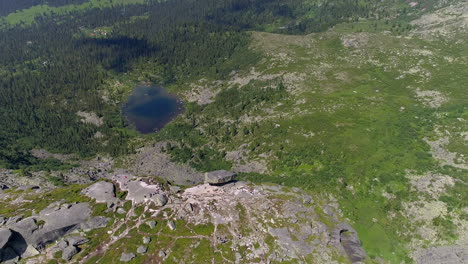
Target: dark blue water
150 108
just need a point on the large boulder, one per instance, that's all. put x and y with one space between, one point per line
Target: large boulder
126 257
25 227
141 192
5 235
346 238
102 192
159 199
69 252
76 240
55 223
142 249
219 177
58 223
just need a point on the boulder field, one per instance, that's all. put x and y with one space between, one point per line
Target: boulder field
136 220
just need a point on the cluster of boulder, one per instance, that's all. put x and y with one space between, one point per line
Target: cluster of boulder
25 237
142 249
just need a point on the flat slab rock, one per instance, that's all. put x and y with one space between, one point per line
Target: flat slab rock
219 177
102 191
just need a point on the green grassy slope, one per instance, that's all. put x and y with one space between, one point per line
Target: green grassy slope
349 112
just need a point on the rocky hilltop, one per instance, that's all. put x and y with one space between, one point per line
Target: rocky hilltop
140 220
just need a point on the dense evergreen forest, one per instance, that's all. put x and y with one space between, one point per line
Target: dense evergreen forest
52 69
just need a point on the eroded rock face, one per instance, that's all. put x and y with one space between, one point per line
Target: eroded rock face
219 177
352 246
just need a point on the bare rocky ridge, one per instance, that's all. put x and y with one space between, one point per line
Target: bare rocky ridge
266 222
29 237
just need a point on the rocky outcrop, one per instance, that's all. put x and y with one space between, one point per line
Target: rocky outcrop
346 238
141 192
6 252
5 235
69 252
257 221
284 226
102 192
219 177
27 237
76 240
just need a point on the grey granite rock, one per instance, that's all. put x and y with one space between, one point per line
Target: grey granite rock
171 225
159 199
8 255
69 252
345 237
13 220
25 227
62 245
126 257
142 249
58 223
151 224
95 222
102 192
219 177
5 235
146 240
76 240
